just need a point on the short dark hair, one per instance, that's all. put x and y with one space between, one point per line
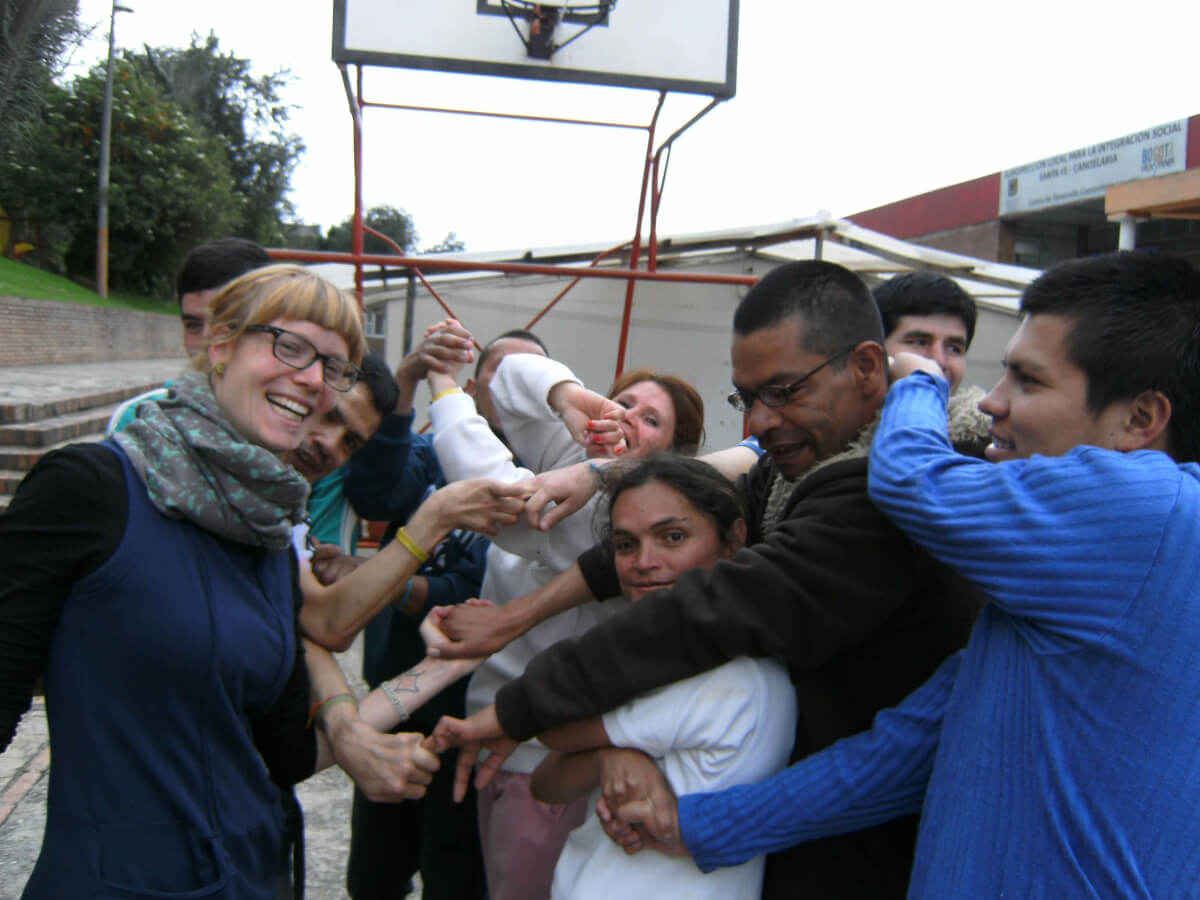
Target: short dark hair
924 294
1134 326
379 381
686 400
834 303
216 263
519 334
705 488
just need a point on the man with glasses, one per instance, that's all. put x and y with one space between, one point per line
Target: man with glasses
860 614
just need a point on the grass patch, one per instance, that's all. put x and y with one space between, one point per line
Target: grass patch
20 280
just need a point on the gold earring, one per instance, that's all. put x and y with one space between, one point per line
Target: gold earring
219 368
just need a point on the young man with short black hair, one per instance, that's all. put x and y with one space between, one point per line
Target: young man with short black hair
930 315
208 268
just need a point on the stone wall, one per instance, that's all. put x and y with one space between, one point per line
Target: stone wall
48 331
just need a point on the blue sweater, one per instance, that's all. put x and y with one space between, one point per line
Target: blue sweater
1059 754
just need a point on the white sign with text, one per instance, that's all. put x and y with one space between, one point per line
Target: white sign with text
1085 173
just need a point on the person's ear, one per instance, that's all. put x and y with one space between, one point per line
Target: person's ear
469 388
868 365
735 539
1145 426
220 348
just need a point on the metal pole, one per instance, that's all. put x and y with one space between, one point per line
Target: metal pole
356 244
105 154
636 249
433 264
356 234
410 300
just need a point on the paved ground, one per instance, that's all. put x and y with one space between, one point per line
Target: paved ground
42 384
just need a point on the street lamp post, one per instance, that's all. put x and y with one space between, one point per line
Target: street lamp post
105 152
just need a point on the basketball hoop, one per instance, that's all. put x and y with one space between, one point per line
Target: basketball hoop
544 18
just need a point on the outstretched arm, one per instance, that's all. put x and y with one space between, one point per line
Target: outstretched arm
860 781
564 777
768 600
386 767
467 447
471 631
562 492
333 614
966 512
573 767
396 699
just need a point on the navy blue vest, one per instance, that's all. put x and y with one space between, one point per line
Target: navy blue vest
160 661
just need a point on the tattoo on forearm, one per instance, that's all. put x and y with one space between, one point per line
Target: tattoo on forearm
408 682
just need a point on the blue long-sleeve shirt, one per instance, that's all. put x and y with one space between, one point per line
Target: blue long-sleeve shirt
1064 757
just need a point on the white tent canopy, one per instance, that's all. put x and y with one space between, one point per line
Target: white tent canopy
677 327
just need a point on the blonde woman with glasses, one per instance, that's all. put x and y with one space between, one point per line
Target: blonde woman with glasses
150 581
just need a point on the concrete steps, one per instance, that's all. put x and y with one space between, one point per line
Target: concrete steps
57 429
28 430
13 413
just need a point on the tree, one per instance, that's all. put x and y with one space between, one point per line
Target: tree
34 34
395 223
451 243
199 150
219 91
170 188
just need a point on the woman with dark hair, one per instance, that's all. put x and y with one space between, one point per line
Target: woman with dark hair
150 580
733 725
548 420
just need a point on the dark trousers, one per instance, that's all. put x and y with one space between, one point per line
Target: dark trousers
391 842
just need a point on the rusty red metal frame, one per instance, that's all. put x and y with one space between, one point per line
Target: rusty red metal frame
429 287
433 264
652 181
578 278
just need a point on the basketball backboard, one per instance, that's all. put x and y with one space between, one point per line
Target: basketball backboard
658 44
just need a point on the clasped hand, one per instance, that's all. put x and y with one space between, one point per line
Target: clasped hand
481 731
637 808
479 504
592 419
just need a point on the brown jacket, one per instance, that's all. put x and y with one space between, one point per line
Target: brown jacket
861 616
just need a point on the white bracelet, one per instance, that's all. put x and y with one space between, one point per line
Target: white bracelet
394 699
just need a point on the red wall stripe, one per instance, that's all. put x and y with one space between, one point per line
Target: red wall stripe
968 203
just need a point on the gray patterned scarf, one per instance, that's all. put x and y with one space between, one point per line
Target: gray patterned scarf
197 467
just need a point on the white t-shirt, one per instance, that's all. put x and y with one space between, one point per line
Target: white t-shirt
733 725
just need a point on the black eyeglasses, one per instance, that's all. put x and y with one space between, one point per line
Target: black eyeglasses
776 395
297 351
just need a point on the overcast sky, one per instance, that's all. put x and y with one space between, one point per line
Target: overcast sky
839 106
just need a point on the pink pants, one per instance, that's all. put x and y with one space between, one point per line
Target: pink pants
522 837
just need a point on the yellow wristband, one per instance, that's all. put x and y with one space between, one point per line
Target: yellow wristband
440 394
410 545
